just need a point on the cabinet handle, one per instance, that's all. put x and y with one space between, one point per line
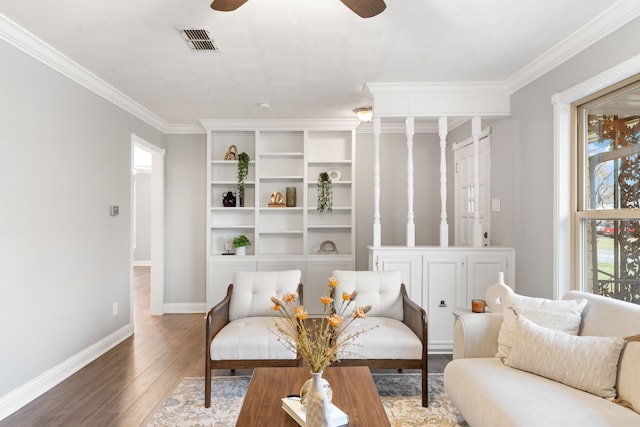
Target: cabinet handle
442 304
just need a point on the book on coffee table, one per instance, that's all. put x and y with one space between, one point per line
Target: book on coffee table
293 407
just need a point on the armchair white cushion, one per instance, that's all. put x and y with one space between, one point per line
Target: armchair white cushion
396 327
380 289
239 329
252 292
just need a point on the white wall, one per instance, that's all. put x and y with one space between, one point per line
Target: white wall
185 189
64 158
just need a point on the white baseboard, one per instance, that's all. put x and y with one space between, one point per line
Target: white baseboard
184 308
141 263
19 397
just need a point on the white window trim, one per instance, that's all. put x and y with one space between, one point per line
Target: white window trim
563 167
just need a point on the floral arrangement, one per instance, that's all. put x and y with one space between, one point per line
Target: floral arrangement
318 343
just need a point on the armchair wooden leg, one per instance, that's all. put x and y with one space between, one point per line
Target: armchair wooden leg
207 387
425 388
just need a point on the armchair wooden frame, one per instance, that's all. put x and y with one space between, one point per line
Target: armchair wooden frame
216 319
415 318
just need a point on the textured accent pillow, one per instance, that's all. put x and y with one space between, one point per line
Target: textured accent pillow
629 375
587 363
561 315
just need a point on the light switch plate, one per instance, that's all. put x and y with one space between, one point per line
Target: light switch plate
495 205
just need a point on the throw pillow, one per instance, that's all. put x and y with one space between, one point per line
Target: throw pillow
587 363
562 315
629 375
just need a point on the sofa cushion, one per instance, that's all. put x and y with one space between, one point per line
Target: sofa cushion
555 314
250 338
380 289
384 339
252 292
586 363
488 393
628 385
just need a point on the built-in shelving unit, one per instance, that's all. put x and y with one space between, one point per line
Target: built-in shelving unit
283 154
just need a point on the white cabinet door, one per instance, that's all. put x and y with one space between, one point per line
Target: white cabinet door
482 272
316 282
443 288
220 274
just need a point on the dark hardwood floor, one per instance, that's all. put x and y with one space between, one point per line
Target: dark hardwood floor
122 387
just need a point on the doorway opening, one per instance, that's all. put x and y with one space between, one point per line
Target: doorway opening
147 220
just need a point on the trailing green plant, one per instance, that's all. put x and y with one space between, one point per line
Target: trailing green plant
243 171
325 193
240 241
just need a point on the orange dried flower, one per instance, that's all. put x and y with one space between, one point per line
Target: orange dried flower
334 320
276 307
333 282
290 297
361 312
326 300
349 297
300 313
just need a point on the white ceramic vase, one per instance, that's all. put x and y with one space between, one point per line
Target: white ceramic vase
318 406
241 250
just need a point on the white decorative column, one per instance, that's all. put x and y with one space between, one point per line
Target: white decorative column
477 227
411 227
444 226
376 183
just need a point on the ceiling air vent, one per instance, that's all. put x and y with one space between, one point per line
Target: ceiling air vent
199 39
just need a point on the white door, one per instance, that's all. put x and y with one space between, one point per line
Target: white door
465 201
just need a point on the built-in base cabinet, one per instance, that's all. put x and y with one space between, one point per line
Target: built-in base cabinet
444 279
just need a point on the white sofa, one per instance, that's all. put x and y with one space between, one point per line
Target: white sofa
489 393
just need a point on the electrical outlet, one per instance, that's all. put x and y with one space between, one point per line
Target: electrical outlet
115 309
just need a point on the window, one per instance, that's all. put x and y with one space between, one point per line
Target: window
607 215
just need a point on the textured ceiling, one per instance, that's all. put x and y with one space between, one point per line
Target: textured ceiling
306 58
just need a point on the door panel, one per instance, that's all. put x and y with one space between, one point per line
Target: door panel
464 193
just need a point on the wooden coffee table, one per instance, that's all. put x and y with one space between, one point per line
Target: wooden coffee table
353 391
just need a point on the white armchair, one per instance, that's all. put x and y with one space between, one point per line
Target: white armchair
399 340
239 328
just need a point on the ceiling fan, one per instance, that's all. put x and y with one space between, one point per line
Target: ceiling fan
362 8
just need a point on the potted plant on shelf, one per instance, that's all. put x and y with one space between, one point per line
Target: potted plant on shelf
243 171
325 193
240 244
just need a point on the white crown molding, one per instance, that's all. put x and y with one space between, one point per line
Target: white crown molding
19 37
19 397
617 15
275 124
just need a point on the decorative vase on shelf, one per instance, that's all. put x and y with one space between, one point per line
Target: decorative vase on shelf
318 406
241 250
229 199
291 197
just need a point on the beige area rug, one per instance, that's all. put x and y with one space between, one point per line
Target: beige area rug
400 394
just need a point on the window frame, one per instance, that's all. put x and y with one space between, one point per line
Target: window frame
563 165
581 213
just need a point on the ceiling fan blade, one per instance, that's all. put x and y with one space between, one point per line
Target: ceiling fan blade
365 8
227 5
